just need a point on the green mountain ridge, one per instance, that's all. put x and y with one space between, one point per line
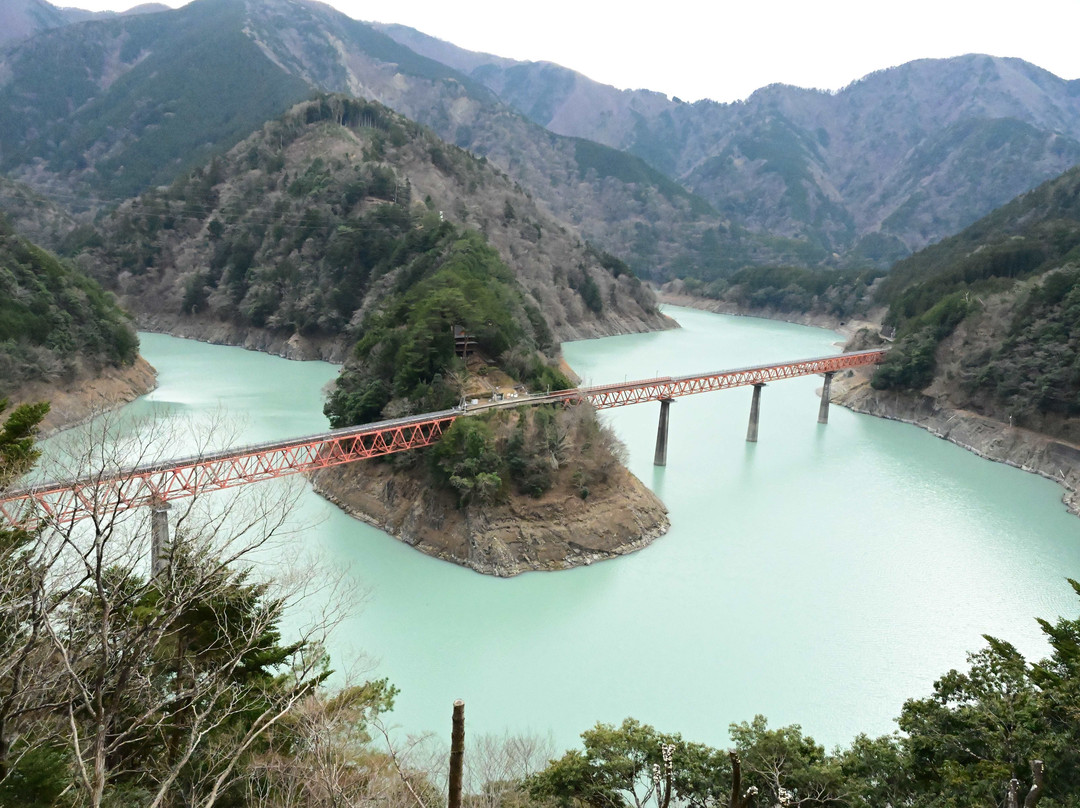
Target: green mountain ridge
845 180
117 105
989 319
133 127
900 155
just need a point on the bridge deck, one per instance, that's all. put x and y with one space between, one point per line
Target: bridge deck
66 500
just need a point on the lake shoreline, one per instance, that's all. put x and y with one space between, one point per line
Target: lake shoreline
988 438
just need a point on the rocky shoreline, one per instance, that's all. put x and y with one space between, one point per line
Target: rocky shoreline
336 349
986 437
72 403
555 532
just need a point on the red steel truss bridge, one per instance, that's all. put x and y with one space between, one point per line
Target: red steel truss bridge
65 501
667 388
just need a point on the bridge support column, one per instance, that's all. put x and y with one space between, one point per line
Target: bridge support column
660 458
755 408
160 548
823 410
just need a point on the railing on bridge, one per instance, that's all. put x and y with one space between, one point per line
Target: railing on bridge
68 500
618 395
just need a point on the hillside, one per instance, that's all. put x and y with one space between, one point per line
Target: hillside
22 19
35 216
286 241
109 107
106 109
989 320
62 338
55 323
19 20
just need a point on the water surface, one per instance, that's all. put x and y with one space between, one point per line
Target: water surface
820 576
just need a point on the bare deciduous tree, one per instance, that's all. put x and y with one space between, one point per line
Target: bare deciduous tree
168 684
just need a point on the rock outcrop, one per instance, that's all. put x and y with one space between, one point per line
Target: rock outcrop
558 531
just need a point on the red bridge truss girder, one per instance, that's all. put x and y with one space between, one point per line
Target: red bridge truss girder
618 395
67 501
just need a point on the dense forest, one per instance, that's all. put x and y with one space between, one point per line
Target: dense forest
406 362
310 221
55 323
997 304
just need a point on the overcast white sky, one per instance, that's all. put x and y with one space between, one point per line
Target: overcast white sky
724 51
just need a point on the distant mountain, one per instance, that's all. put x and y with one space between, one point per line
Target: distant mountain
108 107
889 164
862 177
559 99
22 19
111 107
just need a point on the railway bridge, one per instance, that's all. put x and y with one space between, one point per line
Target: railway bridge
154 485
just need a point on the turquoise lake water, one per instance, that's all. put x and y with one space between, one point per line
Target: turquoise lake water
820 576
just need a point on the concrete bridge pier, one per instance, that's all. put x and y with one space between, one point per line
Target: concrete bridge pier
160 547
755 409
823 410
660 458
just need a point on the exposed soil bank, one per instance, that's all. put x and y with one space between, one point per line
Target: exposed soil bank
986 437
73 402
216 332
846 327
558 531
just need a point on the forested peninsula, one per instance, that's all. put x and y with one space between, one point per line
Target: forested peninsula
347 232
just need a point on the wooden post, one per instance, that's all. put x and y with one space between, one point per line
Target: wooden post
160 549
457 753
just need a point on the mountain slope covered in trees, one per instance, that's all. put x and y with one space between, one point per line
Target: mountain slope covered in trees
56 324
299 230
988 319
109 107
146 110
861 177
889 164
